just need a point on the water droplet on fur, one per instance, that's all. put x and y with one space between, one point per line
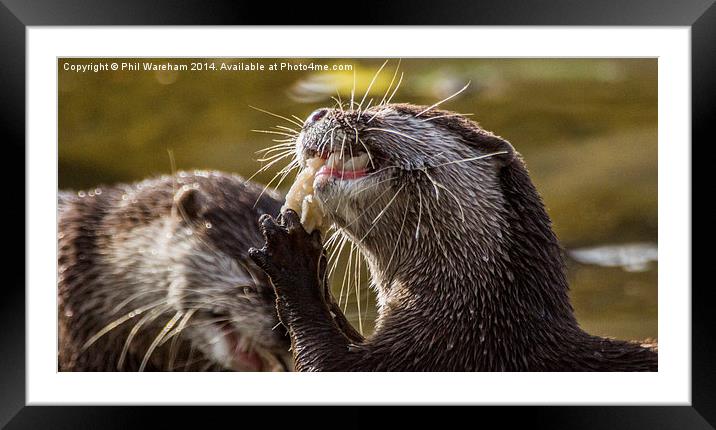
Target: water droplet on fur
81 194
208 225
98 191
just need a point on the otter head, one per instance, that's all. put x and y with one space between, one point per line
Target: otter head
230 301
408 182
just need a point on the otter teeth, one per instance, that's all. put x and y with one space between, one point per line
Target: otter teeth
359 162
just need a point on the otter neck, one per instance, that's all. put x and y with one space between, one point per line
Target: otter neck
492 270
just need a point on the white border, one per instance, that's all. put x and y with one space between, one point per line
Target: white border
671 385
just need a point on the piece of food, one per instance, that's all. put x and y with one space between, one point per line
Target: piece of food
300 197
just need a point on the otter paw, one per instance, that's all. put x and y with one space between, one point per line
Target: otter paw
290 255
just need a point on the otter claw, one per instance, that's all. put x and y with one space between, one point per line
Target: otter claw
259 256
289 251
270 228
290 218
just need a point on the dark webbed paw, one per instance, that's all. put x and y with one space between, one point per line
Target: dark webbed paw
292 258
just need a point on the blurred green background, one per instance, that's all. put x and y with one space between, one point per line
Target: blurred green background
587 129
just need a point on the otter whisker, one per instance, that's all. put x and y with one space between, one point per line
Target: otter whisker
368 187
395 74
322 142
375 221
133 297
343 168
380 214
288 130
280 155
173 347
286 173
436 183
349 265
334 235
280 133
465 160
384 169
299 123
119 321
292 165
368 207
432 181
396 89
369 87
182 324
357 281
169 325
353 90
340 100
284 145
282 151
262 169
367 151
407 136
151 316
332 136
446 116
336 253
443 100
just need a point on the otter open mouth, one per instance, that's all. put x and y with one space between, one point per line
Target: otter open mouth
318 169
344 168
238 351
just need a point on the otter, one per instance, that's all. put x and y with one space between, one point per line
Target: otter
155 276
468 272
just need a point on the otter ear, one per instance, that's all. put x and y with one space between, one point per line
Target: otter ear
189 204
493 144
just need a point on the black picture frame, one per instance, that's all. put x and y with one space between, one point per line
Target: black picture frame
16 15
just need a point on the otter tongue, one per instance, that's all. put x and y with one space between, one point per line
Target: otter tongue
300 197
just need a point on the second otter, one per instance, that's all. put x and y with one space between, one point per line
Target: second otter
468 272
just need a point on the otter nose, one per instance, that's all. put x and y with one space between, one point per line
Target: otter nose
316 116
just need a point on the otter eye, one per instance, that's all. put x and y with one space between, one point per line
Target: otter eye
316 115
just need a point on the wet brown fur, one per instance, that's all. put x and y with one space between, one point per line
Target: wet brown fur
95 229
485 294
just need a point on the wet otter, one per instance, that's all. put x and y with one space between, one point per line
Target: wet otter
468 272
155 276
